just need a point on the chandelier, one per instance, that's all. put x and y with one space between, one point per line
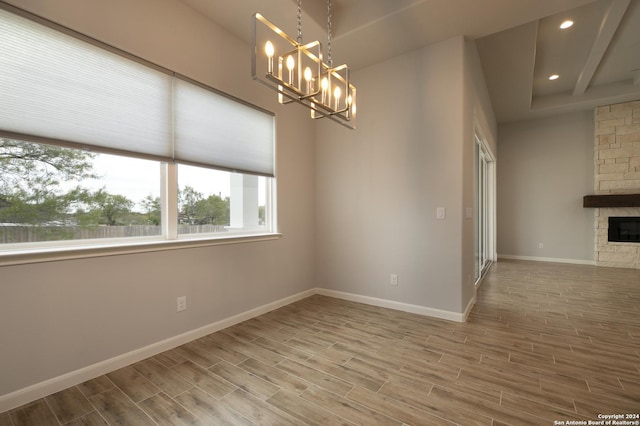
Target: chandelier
298 73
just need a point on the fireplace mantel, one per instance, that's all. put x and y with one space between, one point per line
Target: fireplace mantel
615 200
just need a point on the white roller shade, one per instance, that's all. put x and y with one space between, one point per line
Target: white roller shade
215 130
53 85
56 86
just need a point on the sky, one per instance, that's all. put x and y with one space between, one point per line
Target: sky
136 179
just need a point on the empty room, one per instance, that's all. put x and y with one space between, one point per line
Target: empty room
312 212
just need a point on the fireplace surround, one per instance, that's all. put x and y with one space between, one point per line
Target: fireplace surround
616 183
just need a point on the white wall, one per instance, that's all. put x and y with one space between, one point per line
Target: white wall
545 168
61 316
377 188
478 117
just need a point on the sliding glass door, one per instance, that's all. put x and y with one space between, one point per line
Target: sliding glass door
485 184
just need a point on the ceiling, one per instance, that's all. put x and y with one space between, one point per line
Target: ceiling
519 42
595 60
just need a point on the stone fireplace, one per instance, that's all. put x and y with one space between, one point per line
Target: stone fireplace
617 171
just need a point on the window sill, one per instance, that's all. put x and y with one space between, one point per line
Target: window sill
41 254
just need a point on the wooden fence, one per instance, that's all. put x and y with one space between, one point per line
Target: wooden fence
29 234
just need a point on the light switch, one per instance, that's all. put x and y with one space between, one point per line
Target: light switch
441 213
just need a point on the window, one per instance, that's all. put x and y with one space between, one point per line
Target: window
50 193
119 148
218 201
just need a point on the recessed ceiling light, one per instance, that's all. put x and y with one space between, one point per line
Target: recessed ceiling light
554 77
566 24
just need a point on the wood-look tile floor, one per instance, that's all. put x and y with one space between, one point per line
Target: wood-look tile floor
545 342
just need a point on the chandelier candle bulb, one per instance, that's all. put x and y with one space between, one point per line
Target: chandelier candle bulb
308 76
336 95
325 86
291 64
269 50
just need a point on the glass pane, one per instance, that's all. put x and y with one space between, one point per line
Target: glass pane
49 193
215 201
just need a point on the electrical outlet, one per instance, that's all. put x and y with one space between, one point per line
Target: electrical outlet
540 245
393 279
182 303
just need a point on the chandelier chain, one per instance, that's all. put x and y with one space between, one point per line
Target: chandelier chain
329 35
299 21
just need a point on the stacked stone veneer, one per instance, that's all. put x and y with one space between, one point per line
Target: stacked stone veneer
617 171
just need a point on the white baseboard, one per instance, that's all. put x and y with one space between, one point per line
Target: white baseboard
548 259
399 306
56 384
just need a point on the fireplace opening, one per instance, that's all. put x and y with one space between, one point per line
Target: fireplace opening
624 229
